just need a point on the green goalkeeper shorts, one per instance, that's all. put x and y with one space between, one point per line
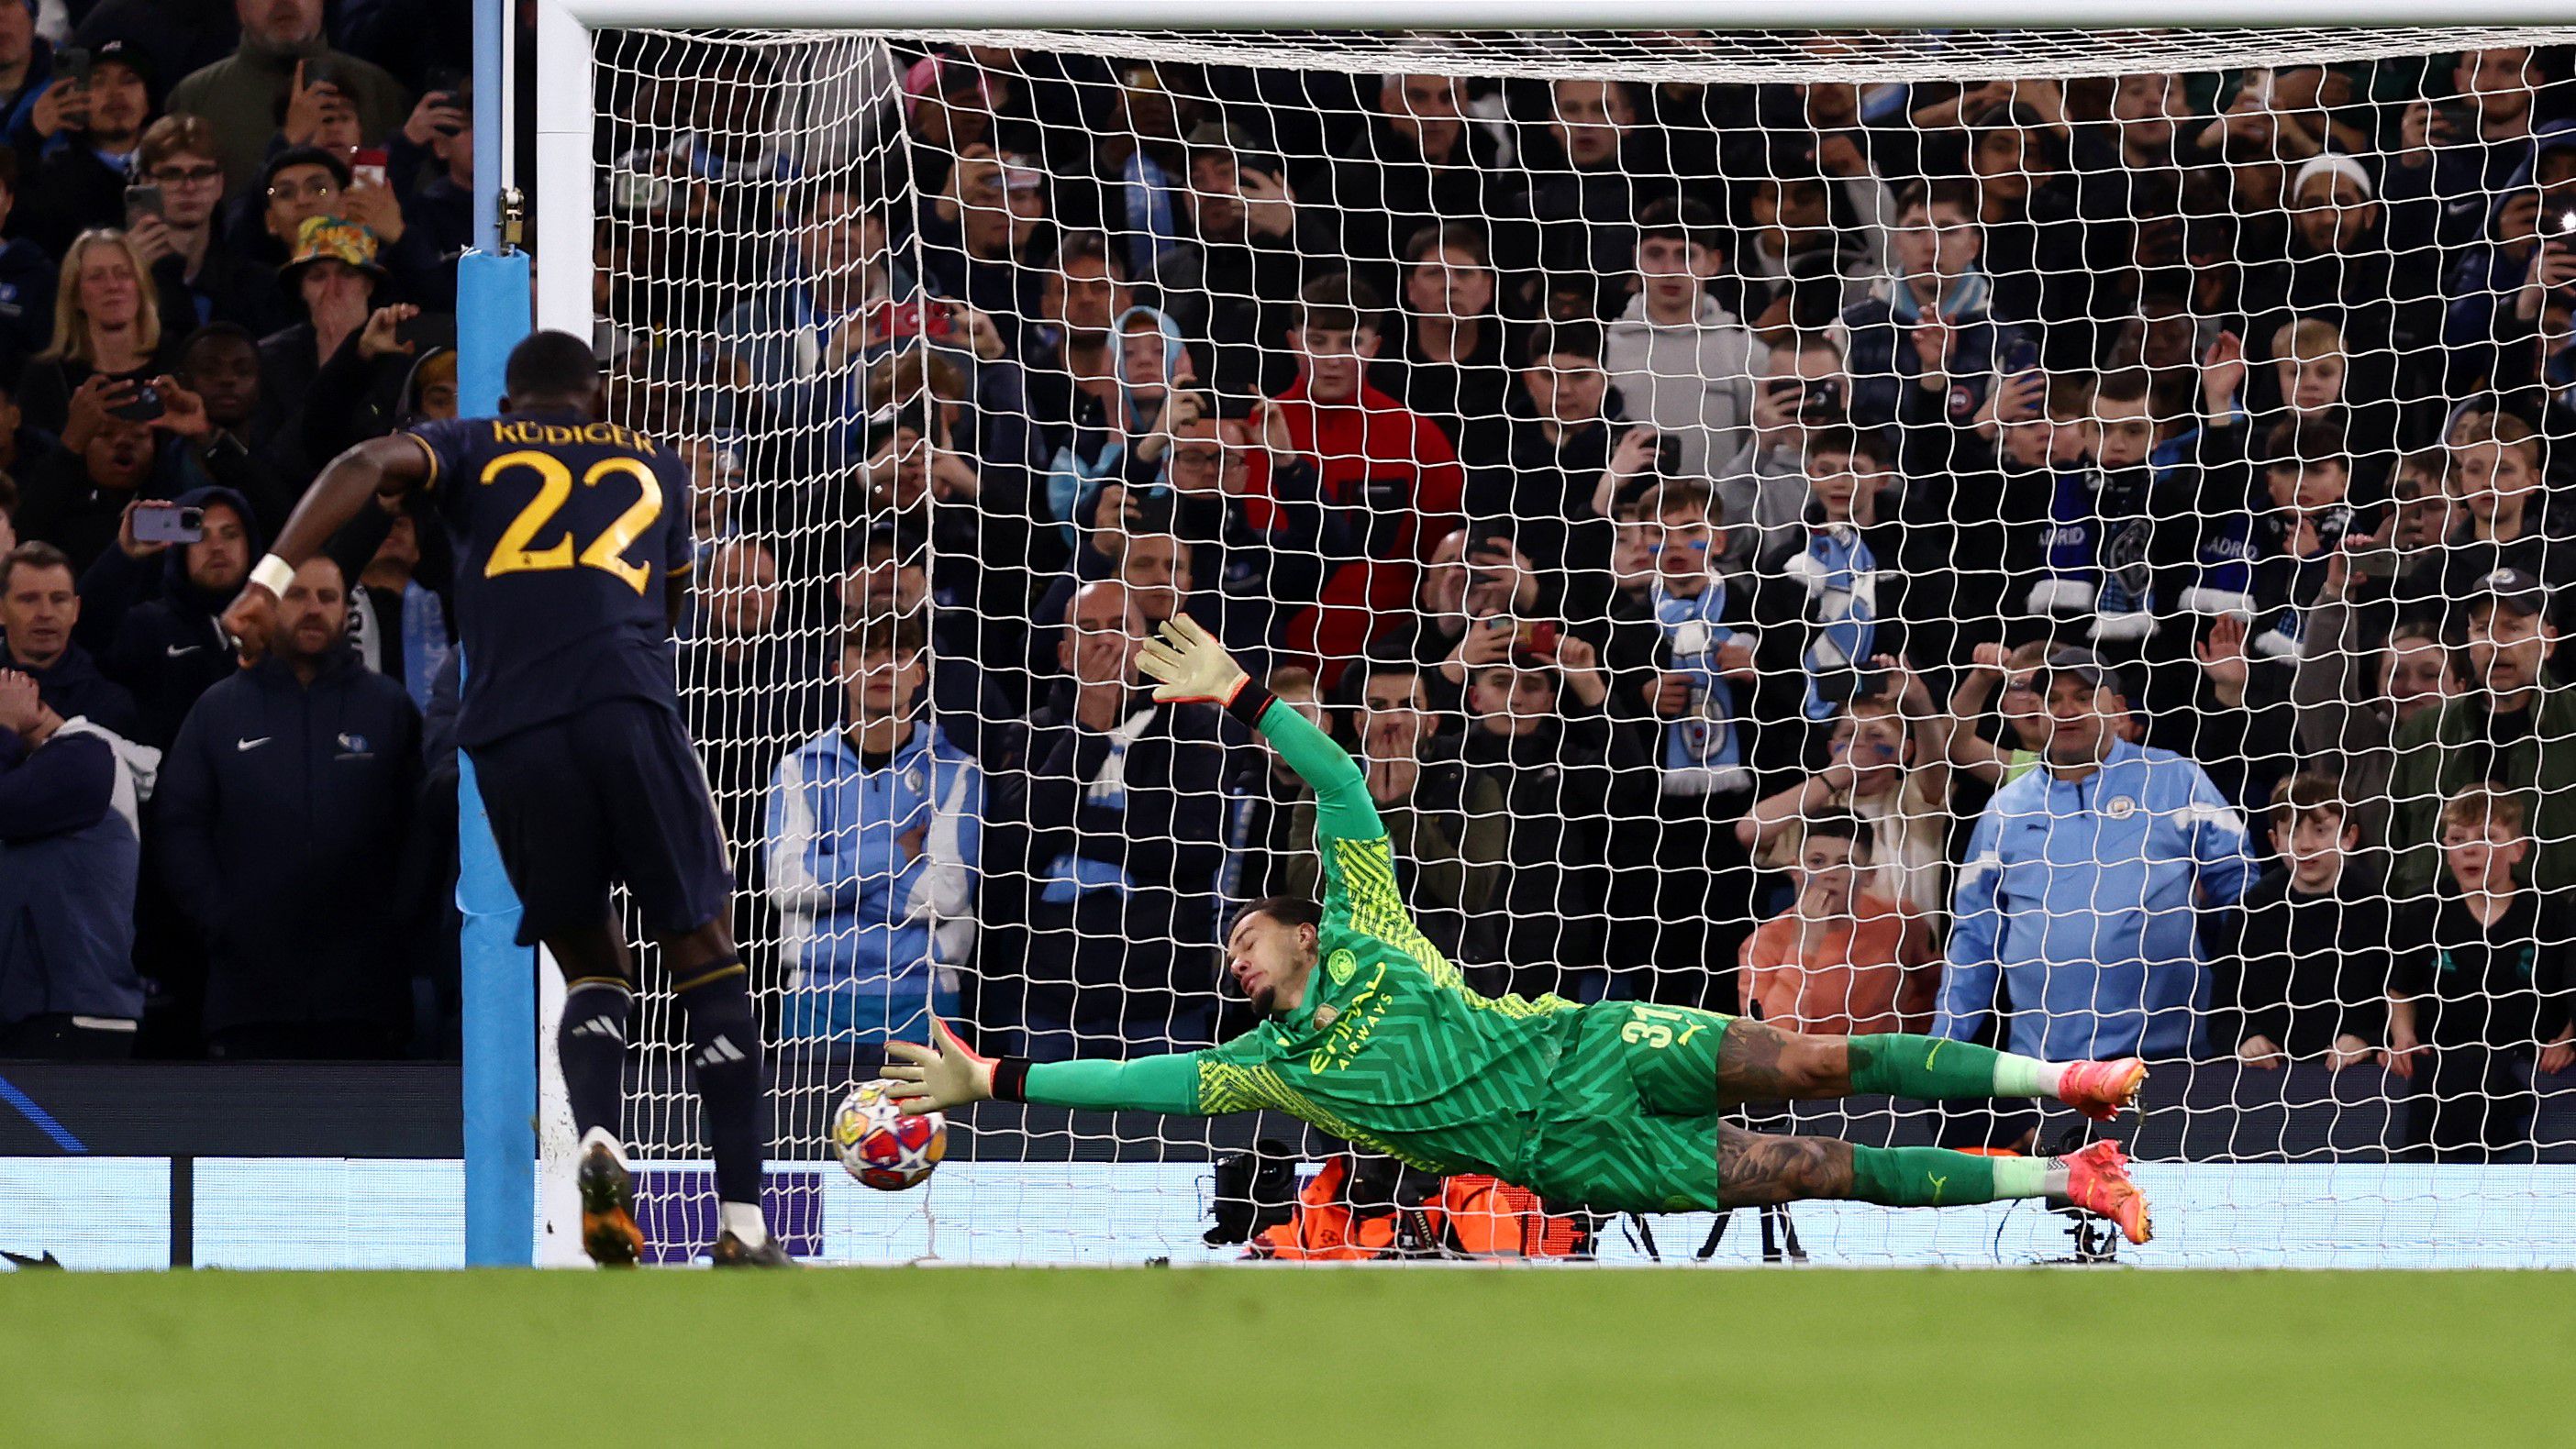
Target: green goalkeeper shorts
1630 1119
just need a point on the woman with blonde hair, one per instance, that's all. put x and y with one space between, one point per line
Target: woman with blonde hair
108 341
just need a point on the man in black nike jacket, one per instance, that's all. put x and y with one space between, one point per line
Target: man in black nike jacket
284 810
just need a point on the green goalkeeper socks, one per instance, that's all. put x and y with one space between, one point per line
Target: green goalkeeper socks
1938 1177
1928 1068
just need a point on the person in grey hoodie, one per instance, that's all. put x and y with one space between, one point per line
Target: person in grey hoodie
1680 360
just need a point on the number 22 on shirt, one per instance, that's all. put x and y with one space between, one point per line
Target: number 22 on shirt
607 552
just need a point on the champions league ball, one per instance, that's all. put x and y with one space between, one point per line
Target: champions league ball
880 1146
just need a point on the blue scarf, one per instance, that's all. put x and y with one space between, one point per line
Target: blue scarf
420 621
2098 531
2074 551
425 641
2122 501
2246 566
1702 744
2123 504
1846 607
1963 300
1149 217
1072 874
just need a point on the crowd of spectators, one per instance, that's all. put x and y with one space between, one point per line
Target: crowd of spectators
229 251
2068 563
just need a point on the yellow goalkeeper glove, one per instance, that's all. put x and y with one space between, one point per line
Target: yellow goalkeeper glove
1189 666
937 1078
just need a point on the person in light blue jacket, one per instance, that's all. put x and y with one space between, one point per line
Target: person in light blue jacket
872 847
2084 887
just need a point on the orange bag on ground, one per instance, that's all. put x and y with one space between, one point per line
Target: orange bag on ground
1489 1218
1323 1228
1470 1215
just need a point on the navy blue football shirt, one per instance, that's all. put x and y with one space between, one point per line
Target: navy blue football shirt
567 534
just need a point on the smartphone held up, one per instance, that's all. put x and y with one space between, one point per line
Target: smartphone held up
168 523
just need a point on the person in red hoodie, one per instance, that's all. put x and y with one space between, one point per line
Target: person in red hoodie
1390 469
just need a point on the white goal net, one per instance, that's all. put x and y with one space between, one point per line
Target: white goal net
2054 539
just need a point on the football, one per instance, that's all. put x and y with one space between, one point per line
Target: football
880 1146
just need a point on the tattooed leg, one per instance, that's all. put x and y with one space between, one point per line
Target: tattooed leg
1758 1062
1756 1170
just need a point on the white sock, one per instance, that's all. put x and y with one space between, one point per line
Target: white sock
2019 1076
743 1220
2028 1177
2052 1184
616 1148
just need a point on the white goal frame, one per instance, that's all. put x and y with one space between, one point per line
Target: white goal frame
565 29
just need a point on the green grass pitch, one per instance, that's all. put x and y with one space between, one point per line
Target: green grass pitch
1537 1357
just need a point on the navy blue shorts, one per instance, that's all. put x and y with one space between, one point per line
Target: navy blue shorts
612 795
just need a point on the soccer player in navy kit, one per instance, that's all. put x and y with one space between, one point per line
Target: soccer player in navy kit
573 556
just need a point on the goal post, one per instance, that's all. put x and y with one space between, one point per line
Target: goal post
1507 15
2301 1174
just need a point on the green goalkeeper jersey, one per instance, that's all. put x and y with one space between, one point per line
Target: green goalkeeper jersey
1389 1049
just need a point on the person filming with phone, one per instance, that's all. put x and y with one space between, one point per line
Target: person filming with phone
284 65
108 343
89 123
76 497
437 141
192 552
170 212
1798 390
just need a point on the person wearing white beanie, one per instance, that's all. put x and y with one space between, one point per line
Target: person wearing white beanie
2334 164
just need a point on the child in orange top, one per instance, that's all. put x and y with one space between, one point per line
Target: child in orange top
1839 962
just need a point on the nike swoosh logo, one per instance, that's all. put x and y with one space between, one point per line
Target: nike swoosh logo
1934 1055
252 744
1938 1184
175 650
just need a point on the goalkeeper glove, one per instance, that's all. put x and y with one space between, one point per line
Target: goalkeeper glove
937 1078
1189 666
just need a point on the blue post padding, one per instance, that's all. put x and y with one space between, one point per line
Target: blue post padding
493 100
493 300
493 303
500 1037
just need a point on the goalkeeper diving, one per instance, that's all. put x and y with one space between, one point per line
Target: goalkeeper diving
1371 1035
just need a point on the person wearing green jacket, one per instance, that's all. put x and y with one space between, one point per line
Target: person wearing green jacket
1372 1035
2509 727
286 67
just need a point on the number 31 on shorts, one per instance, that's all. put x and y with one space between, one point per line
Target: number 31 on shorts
1653 1026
